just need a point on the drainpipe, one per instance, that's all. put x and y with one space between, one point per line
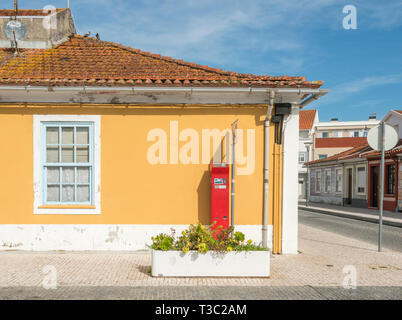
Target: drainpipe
266 168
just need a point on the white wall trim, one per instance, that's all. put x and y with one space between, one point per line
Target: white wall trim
290 183
37 119
97 237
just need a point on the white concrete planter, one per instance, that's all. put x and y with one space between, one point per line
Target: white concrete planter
210 264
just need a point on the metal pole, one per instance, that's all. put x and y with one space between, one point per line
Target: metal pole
232 205
382 140
15 9
233 183
307 175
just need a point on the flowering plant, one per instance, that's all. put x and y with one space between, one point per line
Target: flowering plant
203 239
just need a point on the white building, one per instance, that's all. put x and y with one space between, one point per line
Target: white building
394 119
333 137
307 122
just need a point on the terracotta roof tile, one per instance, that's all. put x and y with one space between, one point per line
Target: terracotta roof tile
27 13
306 119
346 155
339 142
88 61
396 150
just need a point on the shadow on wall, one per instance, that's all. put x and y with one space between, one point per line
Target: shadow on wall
204 199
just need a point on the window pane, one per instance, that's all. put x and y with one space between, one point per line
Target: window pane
68 194
53 193
83 194
52 154
83 175
82 135
83 154
361 177
67 154
52 135
53 175
68 175
67 135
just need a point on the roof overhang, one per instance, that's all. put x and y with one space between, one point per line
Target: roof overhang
392 113
156 95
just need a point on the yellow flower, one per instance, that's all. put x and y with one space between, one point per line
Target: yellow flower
185 250
249 242
229 249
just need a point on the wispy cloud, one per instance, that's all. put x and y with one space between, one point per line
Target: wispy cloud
344 90
277 33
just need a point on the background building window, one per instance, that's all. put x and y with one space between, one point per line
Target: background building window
391 179
325 134
356 134
328 181
318 181
302 157
339 180
361 180
322 156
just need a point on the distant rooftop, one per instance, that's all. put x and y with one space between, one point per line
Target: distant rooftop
27 13
306 119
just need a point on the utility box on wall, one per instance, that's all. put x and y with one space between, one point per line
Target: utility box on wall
220 195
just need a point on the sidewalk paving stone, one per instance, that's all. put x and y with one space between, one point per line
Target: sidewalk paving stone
316 273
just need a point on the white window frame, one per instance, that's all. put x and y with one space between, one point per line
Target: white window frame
41 209
304 154
357 180
318 173
337 170
325 181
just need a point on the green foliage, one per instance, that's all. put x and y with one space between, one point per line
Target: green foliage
203 239
162 242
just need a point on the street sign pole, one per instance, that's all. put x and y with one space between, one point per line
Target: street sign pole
382 138
382 143
234 140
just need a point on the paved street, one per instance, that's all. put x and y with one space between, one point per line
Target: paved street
318 272
360 230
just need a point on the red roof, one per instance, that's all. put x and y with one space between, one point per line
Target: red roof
396 150
306 119
345 155
26 13
88 61
339 142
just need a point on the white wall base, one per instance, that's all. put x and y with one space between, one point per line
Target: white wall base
95 237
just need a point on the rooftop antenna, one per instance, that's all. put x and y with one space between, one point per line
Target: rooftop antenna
15 30
15 18
68 4
15 9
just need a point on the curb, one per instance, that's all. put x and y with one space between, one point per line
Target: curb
349 216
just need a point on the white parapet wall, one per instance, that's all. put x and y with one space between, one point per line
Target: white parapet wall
290 183
95 237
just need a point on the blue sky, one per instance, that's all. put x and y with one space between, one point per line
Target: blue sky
362 67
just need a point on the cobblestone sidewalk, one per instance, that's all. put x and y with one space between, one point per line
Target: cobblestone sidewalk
316 273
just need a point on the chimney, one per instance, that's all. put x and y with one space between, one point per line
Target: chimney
373 117
35 29
334 119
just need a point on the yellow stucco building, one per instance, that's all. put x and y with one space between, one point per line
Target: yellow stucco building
103 146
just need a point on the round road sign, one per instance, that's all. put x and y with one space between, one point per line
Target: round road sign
391 138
